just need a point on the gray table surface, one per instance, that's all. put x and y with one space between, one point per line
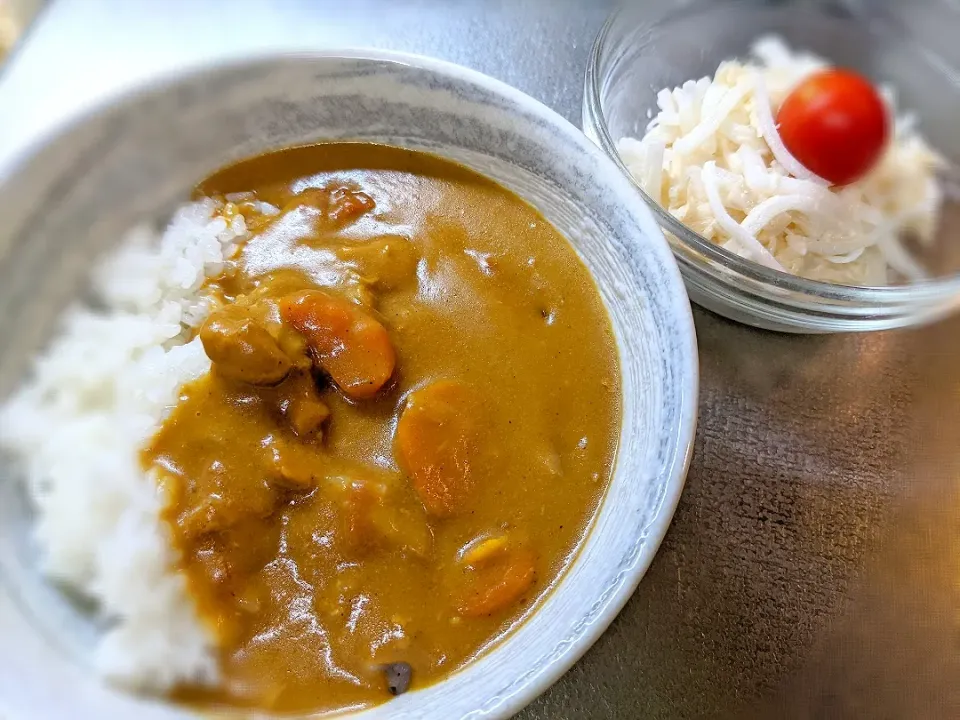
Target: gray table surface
813 566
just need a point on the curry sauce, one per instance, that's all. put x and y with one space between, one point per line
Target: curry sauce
410 419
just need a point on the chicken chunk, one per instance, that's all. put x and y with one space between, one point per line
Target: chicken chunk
242 349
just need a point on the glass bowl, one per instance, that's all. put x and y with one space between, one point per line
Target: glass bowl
663 43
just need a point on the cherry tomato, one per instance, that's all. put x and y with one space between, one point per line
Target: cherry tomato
835 123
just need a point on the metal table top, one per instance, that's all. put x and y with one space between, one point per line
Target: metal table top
813 566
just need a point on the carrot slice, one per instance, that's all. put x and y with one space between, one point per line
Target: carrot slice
347 342
436 444
483 550
502 586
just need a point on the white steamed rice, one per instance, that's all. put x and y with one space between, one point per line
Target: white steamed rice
93 401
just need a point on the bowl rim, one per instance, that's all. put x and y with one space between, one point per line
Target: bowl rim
864 295
682 436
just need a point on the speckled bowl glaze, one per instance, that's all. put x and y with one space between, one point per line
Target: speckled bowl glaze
136 159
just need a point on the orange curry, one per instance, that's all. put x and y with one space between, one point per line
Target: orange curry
410 419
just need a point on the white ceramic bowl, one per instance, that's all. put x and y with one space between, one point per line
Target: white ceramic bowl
138 158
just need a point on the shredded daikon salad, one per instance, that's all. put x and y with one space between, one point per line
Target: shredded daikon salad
713 158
